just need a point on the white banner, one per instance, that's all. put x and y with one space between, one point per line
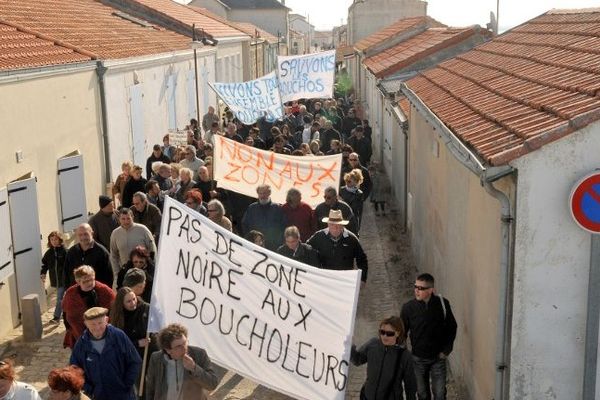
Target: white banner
279 322
306 77
242 168
253 99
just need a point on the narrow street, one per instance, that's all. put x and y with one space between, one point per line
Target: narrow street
391 272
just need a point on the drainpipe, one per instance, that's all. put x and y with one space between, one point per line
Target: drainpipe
487 176
100 71
504 306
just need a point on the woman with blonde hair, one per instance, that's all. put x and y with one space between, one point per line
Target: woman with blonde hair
352 194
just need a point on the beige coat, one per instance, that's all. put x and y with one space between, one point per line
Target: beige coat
195 384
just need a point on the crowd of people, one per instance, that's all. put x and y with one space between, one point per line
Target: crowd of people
104 281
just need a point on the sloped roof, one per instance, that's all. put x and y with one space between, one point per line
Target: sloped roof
342 52
253 4
530 86
397 28
416 48
404 105
91 26
251 29
211 23
20 49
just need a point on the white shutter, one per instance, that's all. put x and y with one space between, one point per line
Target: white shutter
137 124
25 224
7 267
71 184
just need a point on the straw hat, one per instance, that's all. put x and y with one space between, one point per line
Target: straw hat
335 217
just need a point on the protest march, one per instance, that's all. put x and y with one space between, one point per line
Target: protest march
238 244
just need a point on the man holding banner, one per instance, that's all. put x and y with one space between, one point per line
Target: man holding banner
179 371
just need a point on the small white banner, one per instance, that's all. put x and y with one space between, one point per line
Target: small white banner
242 168
276 321
252 100
306 77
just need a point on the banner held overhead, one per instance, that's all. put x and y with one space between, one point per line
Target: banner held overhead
242 168
274 320
252 100
306 77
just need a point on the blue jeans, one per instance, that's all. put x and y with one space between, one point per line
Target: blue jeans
434 369
60 292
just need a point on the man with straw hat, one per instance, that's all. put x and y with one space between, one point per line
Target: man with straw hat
338 247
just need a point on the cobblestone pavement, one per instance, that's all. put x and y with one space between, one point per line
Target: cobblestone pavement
391 271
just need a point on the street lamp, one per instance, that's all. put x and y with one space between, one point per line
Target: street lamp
195 45
256 37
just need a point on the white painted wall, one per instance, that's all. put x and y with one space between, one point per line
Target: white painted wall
552 257
366 18
455 234
153 77
230 62
271 20
46 115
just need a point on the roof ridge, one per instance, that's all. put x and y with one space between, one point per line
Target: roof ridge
527 58
456 37
557 47
59 42
208 14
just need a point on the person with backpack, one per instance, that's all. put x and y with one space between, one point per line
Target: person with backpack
390 373
429 321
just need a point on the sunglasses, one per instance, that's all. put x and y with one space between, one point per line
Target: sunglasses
421 288
383 332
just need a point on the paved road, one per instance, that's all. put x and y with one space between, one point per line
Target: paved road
391 272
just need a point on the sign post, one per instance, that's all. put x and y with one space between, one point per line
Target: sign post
584 204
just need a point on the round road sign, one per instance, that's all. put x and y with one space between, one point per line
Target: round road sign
584 202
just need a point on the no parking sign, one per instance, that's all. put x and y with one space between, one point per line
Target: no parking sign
585 202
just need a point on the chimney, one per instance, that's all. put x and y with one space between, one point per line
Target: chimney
283 2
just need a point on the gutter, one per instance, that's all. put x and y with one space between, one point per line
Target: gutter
487 176
101 71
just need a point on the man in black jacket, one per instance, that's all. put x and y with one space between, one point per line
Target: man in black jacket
338 247
156 156
296 250
87 252
432 329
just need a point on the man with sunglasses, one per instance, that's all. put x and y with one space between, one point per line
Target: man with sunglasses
431 326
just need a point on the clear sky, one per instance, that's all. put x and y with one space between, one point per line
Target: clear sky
325 14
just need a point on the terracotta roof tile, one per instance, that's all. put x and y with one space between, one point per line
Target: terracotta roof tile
251 29
19 49
525 88
342 52
415 48
212 24
91 26
397 28
404 105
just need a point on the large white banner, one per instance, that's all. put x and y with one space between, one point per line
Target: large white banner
306 77
279 322
242 168
252 100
